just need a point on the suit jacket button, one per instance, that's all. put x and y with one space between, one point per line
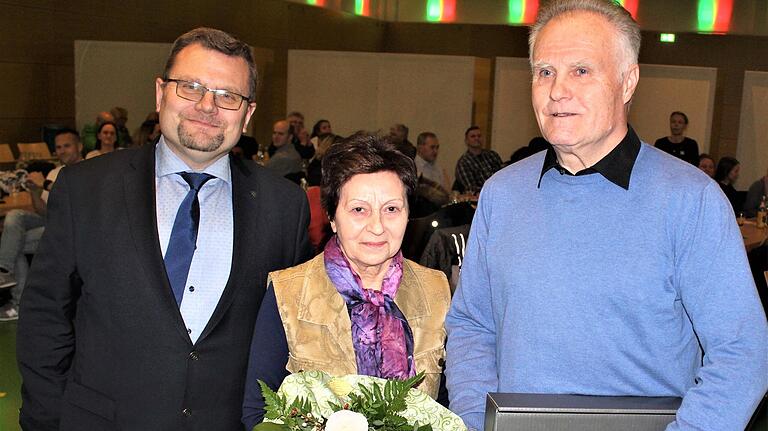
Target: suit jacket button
441 362
186 412
193 356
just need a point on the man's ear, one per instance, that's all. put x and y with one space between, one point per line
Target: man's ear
631 76
158 93
248 113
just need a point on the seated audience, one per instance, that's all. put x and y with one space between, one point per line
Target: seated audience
432 189
727 173
534 146
106 140
246 148
148 132
677 143
755 193
347 311
301 141
22 230
707 164
477 164
314 168
285 160
88 135
152 116
322 127
121 119
398 134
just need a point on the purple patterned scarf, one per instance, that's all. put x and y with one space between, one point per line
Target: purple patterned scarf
382 339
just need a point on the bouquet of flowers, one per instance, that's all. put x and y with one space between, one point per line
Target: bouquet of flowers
315 401
13 181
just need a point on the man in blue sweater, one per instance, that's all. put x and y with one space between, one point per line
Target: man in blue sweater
604 266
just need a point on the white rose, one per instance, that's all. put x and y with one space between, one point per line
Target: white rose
345 420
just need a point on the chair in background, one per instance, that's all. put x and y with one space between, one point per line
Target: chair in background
6 154
33 150
419 230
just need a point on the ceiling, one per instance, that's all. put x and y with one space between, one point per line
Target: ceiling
745 17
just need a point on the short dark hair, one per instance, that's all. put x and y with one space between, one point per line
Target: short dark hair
67 131
403 128
362 154
469 129
703 156
422 138
295 114
682 114
216 40
724 167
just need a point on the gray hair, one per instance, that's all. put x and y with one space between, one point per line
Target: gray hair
611 10
423 136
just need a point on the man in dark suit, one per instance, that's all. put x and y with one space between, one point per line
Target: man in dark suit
143 295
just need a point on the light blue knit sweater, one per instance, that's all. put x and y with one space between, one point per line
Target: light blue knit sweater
583 287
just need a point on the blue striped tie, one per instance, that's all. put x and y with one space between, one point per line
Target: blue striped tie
183 242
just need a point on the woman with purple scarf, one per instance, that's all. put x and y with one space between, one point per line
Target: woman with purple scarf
359 307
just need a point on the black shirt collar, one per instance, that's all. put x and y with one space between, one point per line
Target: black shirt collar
616 166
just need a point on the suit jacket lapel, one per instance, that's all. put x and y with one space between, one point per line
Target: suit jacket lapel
139 184
244 212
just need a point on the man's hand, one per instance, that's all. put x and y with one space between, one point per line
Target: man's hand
303 136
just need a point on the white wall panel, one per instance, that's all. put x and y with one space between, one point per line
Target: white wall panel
372 91
664 89
752 150
109 74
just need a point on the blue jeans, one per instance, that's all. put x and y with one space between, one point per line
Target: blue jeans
21 233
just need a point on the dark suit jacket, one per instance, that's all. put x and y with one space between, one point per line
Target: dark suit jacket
101 342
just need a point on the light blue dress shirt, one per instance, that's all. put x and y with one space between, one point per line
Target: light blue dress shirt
211 264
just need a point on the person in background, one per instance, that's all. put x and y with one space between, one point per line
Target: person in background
432 189
124 139
286 160
22 229
677 143
707 164
427 149
726 174
246 148
147 134
477 164
359 307
398 135
602 266
140 306
301 141
314 168
88 135
534 146
755 194
106 141
321 127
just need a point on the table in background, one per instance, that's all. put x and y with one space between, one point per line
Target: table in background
16 201
753 237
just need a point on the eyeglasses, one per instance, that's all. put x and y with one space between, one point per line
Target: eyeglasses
194 92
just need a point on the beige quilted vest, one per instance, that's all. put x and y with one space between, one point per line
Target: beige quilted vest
319 332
